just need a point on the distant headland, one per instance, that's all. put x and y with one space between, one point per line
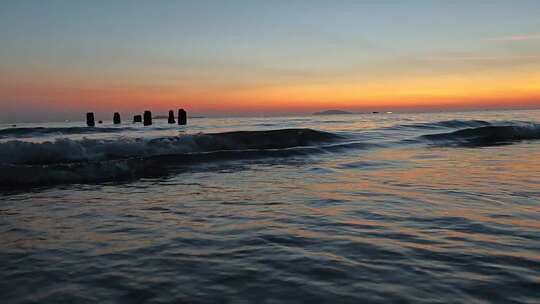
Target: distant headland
332 112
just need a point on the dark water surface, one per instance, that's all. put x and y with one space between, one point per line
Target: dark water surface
407 208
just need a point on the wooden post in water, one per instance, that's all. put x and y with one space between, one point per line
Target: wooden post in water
182 117
116 118
171 117
90 120
147 118
137 118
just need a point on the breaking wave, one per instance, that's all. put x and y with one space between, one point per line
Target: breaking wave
64 160
488 135
73 151
91 160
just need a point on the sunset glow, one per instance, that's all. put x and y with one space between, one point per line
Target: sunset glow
253 58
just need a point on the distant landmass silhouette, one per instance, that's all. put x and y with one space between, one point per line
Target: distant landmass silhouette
332 112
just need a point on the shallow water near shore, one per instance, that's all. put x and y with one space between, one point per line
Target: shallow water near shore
372 208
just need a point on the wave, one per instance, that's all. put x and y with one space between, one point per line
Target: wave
450 124
86 160
71 151
488 135
21 176
42 131
90 160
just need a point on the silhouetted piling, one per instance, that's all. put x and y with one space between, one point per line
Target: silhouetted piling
171 117
182 117
116 118
90 120
147 118
137 118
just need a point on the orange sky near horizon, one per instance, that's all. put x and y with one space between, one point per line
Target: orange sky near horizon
60 59
398 93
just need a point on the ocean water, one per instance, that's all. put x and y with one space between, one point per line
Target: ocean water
372 208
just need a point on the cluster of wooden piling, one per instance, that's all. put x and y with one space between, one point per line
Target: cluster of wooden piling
146 118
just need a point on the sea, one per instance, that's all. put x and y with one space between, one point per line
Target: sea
439 207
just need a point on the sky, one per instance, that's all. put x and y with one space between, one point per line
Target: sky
60 59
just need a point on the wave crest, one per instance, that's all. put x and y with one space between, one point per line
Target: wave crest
450 124
488 135
90 160
70 151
